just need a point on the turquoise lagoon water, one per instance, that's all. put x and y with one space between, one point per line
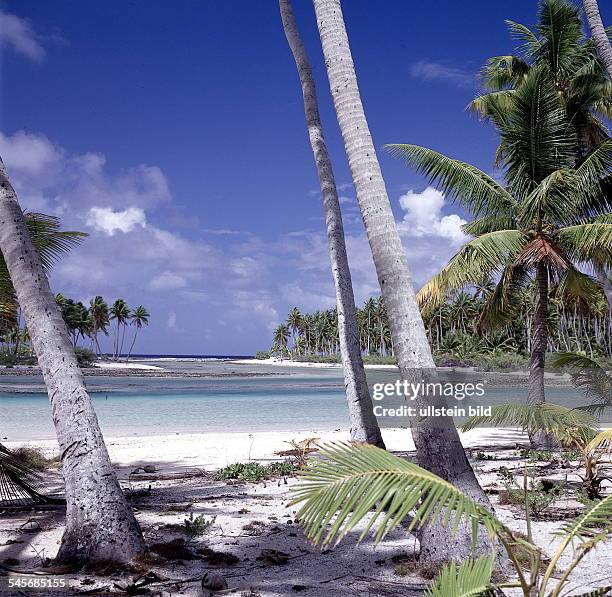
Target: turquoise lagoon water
285 399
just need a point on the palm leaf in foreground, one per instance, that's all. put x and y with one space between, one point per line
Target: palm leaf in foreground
548 417
471 579
347 482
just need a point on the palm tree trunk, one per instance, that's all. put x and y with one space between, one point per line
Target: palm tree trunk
539 338
99 523
598 31
133 342
437 442
364 426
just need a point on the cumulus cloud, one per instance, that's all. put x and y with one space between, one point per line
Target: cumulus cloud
104 219
428 70
17 34
423 216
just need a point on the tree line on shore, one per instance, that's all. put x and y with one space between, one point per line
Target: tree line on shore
534 230
454 330
84 325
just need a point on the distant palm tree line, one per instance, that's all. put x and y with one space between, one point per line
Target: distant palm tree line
453 328
86 323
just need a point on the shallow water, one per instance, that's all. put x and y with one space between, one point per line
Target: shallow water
288 399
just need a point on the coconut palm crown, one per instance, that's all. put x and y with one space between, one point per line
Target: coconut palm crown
550 217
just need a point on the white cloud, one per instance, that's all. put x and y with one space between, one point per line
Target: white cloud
438 71
424 217
104 219
18 34
167 281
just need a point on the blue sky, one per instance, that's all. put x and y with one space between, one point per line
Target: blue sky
174 134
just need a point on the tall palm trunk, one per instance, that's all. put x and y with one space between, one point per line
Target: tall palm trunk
364 426
539 339
99 523
598 31
437 442
133 342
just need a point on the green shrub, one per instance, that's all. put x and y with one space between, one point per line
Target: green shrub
198 525
254 472
262 355
84 356
34 458
8 360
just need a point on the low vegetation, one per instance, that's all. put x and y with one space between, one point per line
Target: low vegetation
254 472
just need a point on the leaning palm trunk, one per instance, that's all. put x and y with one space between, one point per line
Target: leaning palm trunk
437 442
598 31
99 523
364 426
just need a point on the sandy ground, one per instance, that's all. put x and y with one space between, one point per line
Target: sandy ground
249 518
212 451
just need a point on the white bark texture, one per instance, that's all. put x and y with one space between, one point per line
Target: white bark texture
598 32
364 426
437 442
99 523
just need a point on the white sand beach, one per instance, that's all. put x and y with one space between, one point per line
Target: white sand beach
253 541
212 451
126 366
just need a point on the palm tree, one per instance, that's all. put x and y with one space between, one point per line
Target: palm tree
281 336
98 311
438 446
559 47
140 317
598 31
120 312
551 216
99 523
294 322
364 426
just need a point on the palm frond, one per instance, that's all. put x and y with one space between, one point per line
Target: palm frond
587 242
548 418
577 288
597 521
480 193
472 578
589 376
479 258
601 440
493 106
538 139
50 243
531 43
501 72
500 305
345 483
490 223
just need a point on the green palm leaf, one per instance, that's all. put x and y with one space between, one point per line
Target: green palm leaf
50 243
347 482
480 193
586 242
548 417
476 260
595 522
471 579
603 439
